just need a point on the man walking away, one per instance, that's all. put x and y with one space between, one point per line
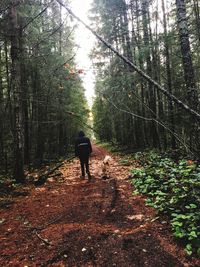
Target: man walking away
83 149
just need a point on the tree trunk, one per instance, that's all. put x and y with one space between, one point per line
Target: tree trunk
125 32
151 90
186 54
24 88
40 118
169 78
197 17
143 89
1 114
18 132
189 75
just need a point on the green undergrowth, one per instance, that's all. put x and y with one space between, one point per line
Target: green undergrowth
110 147
173 189
115 148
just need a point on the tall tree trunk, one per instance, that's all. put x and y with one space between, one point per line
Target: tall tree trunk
157 103
125 31
60 96
189 75
151 90
141 64
1 113
18 132
40 117
9 104
169 78
186 54
24 88
197 17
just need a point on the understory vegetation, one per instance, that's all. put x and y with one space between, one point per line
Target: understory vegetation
173 188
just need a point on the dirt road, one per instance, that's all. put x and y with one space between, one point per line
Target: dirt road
73 222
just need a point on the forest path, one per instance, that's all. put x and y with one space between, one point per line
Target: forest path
73 222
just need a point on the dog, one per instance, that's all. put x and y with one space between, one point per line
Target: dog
105 168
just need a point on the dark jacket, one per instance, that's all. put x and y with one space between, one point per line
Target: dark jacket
83 147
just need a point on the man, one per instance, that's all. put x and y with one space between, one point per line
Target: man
83 149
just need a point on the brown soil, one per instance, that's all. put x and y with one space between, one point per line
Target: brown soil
73 222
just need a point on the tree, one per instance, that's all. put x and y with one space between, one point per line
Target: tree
18 129
186 54
169 76
149 118
40 85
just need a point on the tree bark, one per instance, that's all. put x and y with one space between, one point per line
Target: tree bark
197 17
1 113
17 98
24 89
169 78
189 75
151 91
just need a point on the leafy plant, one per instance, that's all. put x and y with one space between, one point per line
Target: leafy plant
174 190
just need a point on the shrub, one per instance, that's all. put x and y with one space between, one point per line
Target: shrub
173 189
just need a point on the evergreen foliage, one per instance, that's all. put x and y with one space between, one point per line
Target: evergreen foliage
151 35
40 87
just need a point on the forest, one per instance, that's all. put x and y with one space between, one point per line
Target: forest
145 116
162 39
159 47
40 85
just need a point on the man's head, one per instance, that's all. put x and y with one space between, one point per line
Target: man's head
81 134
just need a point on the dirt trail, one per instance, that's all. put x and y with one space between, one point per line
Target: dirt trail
73 222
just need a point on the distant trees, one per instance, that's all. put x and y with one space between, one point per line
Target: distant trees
162 39
39 85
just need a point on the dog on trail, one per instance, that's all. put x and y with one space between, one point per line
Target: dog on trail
105 168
